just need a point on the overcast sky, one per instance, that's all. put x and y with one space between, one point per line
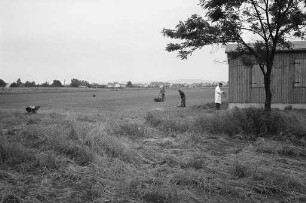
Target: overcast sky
99 41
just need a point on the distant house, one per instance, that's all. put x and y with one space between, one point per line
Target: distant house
111 84
288 79
154 84
138 85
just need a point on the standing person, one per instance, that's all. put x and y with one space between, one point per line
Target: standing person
162 93
218 94
182 103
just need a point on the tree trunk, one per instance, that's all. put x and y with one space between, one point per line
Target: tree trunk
268 100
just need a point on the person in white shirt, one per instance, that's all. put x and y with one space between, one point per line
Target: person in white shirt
218 94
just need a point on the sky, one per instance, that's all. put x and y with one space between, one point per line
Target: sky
99 41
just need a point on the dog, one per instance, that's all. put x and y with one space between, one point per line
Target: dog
32 109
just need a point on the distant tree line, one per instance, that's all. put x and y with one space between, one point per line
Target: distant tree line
83 83
19 83
2 83
78 83
55 83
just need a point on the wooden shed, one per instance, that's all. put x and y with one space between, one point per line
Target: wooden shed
288 79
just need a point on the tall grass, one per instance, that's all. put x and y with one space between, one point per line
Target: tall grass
14 153
131 130
167 157
166 124
249 121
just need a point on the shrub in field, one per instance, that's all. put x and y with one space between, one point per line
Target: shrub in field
248 121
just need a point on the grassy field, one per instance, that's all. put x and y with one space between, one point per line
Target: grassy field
82 100
120 146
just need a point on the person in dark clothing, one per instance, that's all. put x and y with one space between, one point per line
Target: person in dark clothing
182 103
162 93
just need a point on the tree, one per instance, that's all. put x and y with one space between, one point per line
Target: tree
19 83
14 84
268 22
57 83
74 83
77 83
29 84
2 83
129 84
45 84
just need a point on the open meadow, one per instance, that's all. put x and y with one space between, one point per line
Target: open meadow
81 100
120 146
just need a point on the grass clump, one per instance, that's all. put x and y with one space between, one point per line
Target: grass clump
248 121
153 119
14 153
166 124
131 130
280 148
271 182
196 161
239 170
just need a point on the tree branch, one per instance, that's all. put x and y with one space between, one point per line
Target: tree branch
260 20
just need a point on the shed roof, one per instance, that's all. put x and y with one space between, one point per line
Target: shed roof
296 46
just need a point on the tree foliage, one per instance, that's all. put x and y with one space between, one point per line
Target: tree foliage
45 84
259 27
129 84
57 83
29 84
77 83
2 83
18 82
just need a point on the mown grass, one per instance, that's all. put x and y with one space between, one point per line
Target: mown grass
186 155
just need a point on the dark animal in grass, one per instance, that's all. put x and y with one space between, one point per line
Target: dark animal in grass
94 95
32 109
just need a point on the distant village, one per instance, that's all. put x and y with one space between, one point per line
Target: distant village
164 84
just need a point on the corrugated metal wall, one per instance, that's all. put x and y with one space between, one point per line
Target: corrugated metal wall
288 68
